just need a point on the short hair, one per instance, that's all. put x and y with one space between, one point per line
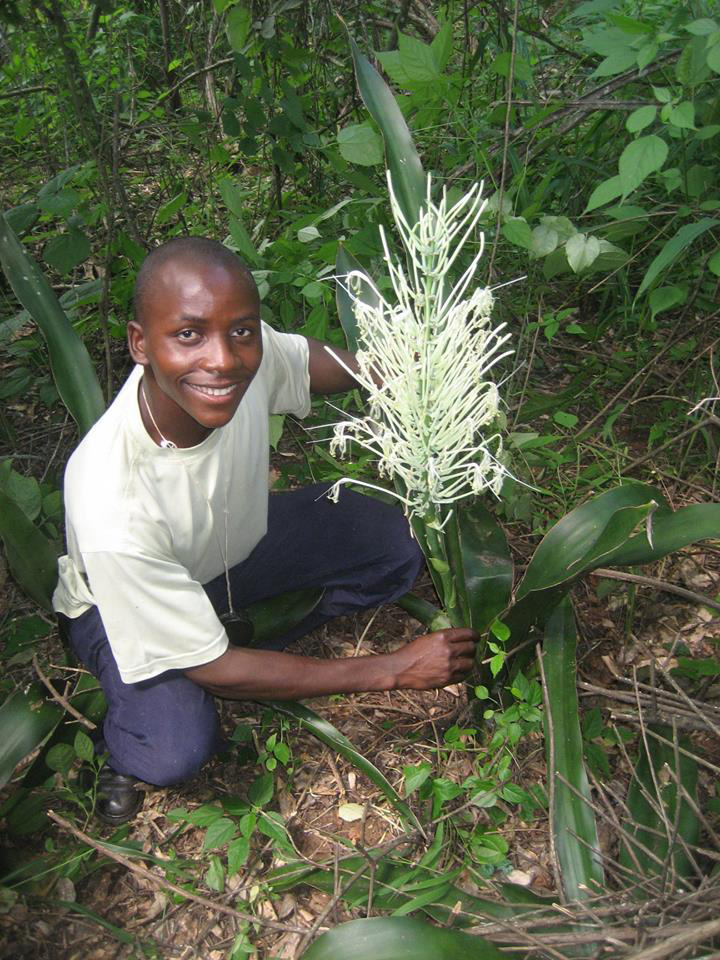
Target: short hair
190 249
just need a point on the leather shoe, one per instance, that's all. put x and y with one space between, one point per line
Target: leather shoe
117 798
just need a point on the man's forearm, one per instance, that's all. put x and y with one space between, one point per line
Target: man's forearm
326 374
430 661
241 674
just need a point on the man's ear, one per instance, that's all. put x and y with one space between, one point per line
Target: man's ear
136 342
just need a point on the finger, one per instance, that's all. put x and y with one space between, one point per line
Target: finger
462 670
466 649
462 635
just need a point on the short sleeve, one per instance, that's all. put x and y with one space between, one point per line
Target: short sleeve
288 375
156 616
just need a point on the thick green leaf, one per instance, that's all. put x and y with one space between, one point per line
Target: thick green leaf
573 822
276 615
364 291
487 565
399 938
31 557
402 157
670 532
587 534
597 533
22 217
651 791
674 247
585 538
325 731
70 362
26 718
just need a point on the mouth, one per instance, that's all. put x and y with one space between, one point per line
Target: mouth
220 392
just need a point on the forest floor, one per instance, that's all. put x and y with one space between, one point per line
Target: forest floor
62 919
393 730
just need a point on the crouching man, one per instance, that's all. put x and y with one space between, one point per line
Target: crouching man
170 529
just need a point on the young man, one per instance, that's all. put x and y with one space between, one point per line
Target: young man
170 526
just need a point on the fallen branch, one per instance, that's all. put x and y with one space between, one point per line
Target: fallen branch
658 585
680 941
59 698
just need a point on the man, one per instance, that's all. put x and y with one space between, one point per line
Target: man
170 529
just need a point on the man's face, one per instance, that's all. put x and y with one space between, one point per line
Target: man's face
201 345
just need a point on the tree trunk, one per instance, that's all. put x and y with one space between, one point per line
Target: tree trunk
173 101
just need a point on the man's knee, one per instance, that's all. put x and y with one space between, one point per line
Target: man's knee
402 549
169 750
181 761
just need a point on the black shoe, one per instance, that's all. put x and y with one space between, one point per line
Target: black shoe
117 798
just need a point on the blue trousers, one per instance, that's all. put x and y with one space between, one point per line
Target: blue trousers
162 730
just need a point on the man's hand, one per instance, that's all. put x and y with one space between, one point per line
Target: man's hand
435 659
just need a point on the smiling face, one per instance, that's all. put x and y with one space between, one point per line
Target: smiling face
200 341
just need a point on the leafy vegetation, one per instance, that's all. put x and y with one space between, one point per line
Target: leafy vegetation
596 136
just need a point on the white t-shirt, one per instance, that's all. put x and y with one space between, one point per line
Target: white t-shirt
147 526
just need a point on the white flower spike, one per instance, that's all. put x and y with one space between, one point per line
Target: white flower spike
433 352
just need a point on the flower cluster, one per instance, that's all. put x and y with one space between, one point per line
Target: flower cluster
425 363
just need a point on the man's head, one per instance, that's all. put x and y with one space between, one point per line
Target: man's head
197 332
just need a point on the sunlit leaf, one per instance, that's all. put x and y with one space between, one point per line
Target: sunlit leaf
360 144
604 192
639 159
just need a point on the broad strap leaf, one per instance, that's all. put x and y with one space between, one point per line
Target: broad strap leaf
399 938
573 822
70 362
402 157
653 806
31 556
345 297
487 565
26 718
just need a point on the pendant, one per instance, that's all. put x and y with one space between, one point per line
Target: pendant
168 444
238 627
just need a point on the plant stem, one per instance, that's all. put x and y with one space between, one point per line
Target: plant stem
442 574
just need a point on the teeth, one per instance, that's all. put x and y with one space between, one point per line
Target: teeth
213 391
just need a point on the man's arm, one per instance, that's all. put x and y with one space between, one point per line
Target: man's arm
326 374
433 660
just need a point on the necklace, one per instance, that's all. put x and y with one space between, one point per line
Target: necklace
164 442
238 625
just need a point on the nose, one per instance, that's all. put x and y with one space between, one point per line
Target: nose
219 356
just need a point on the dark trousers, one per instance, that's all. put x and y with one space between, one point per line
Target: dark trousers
162 730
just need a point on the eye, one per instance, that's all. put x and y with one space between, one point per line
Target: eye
244 333
186 335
